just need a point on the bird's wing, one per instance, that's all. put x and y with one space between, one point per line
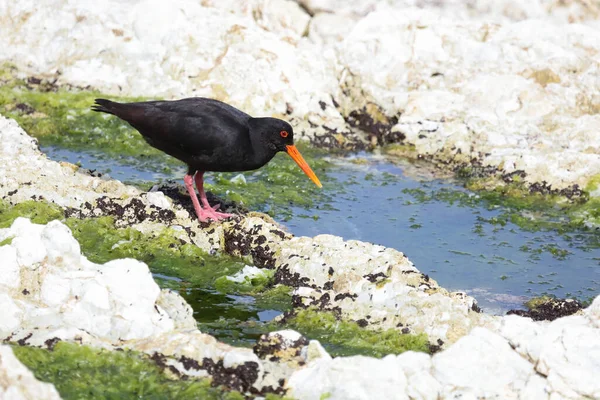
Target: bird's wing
197 127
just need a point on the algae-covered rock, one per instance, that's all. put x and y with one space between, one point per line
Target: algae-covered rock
53 293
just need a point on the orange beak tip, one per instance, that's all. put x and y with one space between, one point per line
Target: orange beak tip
297 157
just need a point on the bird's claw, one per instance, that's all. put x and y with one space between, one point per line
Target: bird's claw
211 214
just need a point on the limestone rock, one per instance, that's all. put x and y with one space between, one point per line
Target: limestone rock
205 49
517 96
18 383
524 360
59 288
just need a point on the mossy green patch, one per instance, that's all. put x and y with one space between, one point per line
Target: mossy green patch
81 372
535 302
6 241
240 315
38 212
249 285
593 184
344 338
101 241
163 251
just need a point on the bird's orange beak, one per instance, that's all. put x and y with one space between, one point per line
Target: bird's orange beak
296 156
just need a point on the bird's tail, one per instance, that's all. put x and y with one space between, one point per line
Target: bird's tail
106 106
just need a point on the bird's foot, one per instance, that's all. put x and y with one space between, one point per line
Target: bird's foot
205 214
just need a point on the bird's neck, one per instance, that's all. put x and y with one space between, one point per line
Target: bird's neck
261 153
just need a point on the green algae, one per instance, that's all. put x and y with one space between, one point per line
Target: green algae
181 267
593 184
101 241
234 314
266 295
38 212
163 251
535 302
82 372
236 323
345 338
535 211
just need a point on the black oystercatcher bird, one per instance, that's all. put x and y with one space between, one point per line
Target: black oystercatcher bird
208 135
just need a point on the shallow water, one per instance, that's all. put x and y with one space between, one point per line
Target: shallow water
445 230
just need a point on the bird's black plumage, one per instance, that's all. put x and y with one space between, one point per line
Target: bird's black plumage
206 134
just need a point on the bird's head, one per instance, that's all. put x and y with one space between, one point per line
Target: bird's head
277 135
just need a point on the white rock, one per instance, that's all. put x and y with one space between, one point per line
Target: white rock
18 383
158 199
350 378
178 310
328 28
523 335
55 290
9 267
483 364
487 10
314 351
30 250
421 383
134 51
116 301
593 312
11 315
502 91
239 357
60 243
570 357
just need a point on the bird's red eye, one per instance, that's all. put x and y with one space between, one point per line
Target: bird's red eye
284 134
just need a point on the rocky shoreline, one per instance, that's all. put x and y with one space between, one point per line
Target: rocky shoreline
52 293
509 90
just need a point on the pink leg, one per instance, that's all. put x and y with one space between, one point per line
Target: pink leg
189 185
209 211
